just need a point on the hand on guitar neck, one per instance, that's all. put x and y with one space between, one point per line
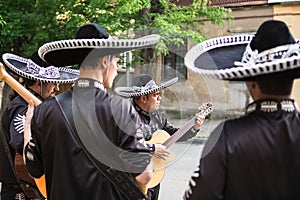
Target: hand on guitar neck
199 119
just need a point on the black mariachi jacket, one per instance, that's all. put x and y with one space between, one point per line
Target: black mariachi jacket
255 156
13 118
70 174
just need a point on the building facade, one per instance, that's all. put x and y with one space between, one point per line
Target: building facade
229 98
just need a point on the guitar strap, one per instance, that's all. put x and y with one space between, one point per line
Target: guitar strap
121 180
24 185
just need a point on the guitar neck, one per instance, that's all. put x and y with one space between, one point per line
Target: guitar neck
19 88
179 133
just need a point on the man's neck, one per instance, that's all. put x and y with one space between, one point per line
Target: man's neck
34 91
265 96
91 74
140 106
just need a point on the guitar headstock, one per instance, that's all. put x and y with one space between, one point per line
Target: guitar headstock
205 108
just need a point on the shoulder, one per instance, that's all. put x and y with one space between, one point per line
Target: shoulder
17 105
159 115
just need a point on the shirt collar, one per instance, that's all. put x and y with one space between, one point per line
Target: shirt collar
140 110
272 105
89 83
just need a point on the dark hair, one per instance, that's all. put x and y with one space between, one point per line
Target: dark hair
26 83
276 87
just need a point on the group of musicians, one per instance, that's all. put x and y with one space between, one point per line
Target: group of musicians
89 144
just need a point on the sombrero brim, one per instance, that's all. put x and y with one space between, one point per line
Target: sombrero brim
215 58
18 65
74 51
131 92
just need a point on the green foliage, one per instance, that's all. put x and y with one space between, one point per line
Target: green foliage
28 24
2 22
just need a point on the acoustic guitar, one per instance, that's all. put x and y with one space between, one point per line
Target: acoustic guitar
162 137
25 94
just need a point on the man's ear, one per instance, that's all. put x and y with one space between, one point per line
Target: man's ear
104 61
251 85
37 83
143 98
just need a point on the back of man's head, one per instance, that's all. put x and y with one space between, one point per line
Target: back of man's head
276 87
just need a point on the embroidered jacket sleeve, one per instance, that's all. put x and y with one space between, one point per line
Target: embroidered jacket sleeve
208 180
17 127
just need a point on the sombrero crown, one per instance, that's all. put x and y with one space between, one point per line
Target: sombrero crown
143 84
34 68
271 53
90 37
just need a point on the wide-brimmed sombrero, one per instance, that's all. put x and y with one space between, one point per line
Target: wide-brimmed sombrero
271 53
90 37
34 68
143 84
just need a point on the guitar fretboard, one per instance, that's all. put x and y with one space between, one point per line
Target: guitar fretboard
178 134
204 110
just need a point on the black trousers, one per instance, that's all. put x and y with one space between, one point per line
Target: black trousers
152 193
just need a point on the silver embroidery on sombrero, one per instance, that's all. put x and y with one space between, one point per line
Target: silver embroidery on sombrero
149 88
45 72
143 89
24 67
251 58
19 123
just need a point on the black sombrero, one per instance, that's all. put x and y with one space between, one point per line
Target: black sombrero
143 84
90 37
34 68
271 53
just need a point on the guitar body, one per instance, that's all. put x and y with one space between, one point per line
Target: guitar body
41 184
23 175
159 165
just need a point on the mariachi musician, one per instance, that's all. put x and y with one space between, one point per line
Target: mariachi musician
43 82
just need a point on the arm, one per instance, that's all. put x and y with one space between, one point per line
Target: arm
31 154
16 127
27 128
146 176
169 128
199 119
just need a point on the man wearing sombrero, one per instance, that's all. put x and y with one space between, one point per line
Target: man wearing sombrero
145 94
255 156
85 139
41 80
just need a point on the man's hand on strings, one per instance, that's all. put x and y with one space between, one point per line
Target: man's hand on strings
161 151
